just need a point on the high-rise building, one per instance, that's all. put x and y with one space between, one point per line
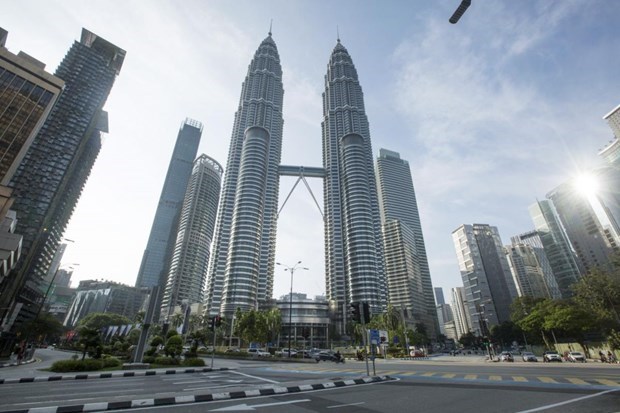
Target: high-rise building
462 320
534 240
160 245
608 176
489 286
592 242
409 281
353 243
527 273
556 244
241 267
95 296
27 95
613 120
50 178
188 267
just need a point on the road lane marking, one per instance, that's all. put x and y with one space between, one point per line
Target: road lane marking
519 378
495 378
575 380
344 405
247 407
429 374
607 382
448 375
409 373
391 373
550 406
471 376
546 379
255 377
95 392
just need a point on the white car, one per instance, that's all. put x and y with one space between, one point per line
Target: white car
575 356
284 352
258 352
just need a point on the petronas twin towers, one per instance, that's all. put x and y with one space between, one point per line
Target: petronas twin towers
242 265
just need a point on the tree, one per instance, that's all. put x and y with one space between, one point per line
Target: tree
89 339
599 294
43 328
174 346
252 326
468 339
273 322
506 333
101 320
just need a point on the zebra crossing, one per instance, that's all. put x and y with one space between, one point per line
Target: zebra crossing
468 377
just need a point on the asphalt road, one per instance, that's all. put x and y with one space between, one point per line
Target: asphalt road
465 384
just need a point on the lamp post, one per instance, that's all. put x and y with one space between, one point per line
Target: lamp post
290 306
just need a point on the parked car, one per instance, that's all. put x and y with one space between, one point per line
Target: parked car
256 352
328 356
549 356
232 350
284 353
575 356
528 356
506 356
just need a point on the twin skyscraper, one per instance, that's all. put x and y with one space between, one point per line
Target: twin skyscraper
241 267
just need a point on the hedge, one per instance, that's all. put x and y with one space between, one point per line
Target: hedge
63 366
193 362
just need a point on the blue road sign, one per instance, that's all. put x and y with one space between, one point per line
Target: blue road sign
374 336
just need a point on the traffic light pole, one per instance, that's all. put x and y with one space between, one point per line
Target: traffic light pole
214 335
365 337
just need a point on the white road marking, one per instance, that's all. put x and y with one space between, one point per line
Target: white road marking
247 407
550 406
254 377
344 405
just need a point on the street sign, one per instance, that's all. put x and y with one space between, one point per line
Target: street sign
383 336
374 336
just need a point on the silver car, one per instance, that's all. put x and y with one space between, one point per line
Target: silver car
528 356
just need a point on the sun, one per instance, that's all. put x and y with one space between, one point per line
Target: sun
586 184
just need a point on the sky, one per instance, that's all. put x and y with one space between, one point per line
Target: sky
491 113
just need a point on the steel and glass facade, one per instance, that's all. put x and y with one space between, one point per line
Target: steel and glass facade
188 267
353 248
397 201
50 178
241 266
590 240
160 245
27 94
489 287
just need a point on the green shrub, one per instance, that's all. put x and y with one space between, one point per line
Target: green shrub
111 361
63 366
167 361
193 362
148 359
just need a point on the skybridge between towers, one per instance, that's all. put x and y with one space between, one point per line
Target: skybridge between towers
301 172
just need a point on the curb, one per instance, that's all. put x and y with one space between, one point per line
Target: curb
32 360
198 398
107 375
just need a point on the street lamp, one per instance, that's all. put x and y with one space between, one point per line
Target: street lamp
290 306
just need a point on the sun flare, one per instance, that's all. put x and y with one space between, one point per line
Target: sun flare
586 184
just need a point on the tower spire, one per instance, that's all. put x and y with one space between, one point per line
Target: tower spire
337 34
270 26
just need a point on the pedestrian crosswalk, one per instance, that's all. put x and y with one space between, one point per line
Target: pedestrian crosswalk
469 377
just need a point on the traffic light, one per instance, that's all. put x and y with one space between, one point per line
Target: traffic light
218 320
211 325
366 310
356 315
